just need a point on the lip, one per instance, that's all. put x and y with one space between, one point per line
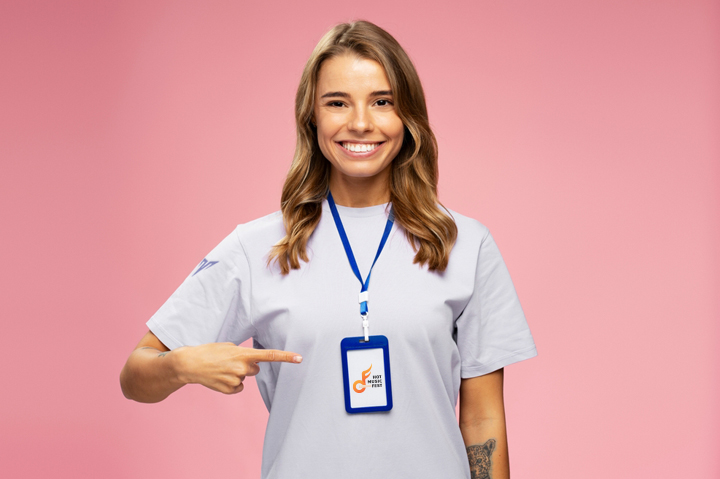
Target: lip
363 154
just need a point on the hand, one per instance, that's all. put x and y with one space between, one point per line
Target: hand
223 366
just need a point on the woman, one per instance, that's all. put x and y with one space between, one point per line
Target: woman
441 296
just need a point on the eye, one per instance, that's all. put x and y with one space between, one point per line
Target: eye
384 102
338 104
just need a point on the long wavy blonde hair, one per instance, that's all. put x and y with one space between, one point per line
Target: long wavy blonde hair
414 172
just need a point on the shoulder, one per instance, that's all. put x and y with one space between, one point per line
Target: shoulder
266 230
261 233
471 232
250 240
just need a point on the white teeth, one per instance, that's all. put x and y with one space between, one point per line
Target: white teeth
360 147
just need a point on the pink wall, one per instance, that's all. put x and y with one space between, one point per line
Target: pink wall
586 135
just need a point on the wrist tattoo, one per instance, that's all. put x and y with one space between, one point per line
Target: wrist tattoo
479 457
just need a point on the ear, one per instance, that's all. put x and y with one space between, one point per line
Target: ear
489 447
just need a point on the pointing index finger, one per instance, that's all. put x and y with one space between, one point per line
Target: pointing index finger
275 356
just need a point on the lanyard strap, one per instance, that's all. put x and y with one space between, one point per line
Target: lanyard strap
351 258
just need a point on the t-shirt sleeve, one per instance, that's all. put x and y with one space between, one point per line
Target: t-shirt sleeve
212 304
492 331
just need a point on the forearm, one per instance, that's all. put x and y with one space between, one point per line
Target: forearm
487 449
150 375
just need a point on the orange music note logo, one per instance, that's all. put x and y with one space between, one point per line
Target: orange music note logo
361 383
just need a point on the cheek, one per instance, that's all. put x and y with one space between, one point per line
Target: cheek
399 134
396 129
326 128
323 144
325 139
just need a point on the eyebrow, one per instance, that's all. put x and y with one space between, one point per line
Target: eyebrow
342 94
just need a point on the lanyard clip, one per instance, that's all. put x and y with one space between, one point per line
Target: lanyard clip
363 299
366 326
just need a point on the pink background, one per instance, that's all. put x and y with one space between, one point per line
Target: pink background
586 135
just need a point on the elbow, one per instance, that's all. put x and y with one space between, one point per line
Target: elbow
124 386
131 391
128 385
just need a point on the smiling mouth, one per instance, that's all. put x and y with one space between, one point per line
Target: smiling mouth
360 147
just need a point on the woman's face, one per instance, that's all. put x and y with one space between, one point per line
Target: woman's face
358 129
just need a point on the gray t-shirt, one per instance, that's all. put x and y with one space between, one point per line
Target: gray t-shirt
461 323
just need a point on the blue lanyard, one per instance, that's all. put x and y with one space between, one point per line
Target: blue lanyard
363 298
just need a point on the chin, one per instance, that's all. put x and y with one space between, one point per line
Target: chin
369 172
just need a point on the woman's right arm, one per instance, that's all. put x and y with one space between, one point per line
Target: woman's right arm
153 372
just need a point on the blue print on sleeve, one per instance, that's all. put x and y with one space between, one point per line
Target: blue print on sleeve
204 265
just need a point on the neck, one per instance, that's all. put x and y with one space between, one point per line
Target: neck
359 192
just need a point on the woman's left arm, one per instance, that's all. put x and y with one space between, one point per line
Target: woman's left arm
482 424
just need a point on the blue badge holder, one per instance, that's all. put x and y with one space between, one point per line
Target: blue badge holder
366 390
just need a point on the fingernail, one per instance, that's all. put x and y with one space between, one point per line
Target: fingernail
297 359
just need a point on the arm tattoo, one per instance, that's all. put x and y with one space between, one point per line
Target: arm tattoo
159 355
479 457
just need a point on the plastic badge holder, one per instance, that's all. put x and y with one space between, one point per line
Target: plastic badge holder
366 374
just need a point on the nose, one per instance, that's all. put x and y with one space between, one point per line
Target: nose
360 120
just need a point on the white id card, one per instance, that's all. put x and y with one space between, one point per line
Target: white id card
366 374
